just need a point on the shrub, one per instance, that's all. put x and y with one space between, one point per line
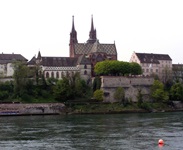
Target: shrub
98 95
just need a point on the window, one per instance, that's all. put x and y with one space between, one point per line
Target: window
52 74
57 74
147 70
85 67
47 75
85 72
156 70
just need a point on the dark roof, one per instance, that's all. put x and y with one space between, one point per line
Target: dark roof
8 58
58 61
86 48
177 66
32 61
152 58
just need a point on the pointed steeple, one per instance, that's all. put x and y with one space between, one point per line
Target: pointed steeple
73 34
39 55
92 34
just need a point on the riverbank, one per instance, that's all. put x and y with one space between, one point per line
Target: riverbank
19 109
12 109
117 108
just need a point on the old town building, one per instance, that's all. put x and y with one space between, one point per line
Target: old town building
83 56
154 64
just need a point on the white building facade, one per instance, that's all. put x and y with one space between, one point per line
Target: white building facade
154 64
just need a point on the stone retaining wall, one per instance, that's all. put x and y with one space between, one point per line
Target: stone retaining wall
32 109
131 85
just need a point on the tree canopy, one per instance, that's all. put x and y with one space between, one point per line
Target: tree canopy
114 67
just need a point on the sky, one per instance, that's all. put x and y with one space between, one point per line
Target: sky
143 26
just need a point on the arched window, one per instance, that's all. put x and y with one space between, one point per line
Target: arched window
47 74
57 74
62 74
52 74
85 66
85 72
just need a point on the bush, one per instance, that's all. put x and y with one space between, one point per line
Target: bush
98 95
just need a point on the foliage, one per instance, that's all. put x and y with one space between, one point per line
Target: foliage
70 86
98 95
20 76
176 92
114 67
158 93
139 98
62 90
119 94
135 68
96 83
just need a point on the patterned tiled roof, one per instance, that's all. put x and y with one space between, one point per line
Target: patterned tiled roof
86 48
152 58
97 47
83 60
58 61
8 58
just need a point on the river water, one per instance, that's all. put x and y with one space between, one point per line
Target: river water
93 132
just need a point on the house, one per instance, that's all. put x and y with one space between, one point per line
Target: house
6 63
177 72
56 67
154 64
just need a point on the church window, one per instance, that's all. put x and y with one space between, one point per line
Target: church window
67 74
57 74
85 67
47 74
52 74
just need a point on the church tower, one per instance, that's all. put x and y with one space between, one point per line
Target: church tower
92 35
73 38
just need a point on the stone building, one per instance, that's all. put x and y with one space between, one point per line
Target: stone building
131 85
83 56
6 63
154 64
93 49
177 72
56 67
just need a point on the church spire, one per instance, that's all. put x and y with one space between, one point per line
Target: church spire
92 34
73 34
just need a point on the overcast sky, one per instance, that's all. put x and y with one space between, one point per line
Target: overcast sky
145 26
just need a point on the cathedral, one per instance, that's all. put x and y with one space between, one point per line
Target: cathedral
83 56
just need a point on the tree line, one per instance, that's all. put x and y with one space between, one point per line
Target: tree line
30 85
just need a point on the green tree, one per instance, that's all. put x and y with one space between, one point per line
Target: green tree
98 95
139 98
114 67
135 68
176 92
96 83
21 72
62 90
158 93
119 94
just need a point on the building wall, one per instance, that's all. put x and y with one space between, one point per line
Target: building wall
53 71
10 70
163 69
131 85
85 71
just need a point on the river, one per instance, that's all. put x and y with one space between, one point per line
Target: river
92 132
